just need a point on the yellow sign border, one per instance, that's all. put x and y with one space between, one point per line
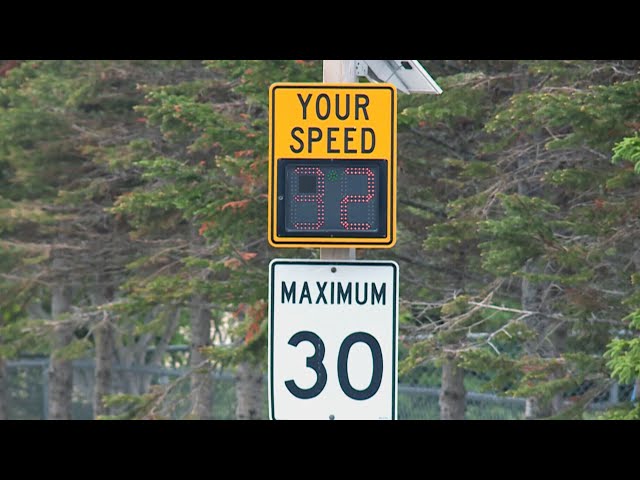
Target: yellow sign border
389 240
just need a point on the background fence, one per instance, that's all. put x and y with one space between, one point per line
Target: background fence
28 393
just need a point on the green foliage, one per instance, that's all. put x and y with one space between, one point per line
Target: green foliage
460 102
622 412
206 184
574 179
130 407
523 232
623 354
77 348
500 370
20 334
624 359
256 76
418 354
543 129
595 115
628 149
457 306
444 236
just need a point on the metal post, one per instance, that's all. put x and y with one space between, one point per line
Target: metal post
338 71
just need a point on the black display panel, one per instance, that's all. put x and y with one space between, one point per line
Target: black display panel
332 198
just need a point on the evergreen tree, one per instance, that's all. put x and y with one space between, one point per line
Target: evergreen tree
62 125
542 204
623 352
205 190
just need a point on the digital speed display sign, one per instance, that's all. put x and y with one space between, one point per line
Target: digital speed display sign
332 165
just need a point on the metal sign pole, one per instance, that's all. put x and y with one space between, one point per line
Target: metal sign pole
338 71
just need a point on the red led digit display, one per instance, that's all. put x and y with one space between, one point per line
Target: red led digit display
310 188
332 198
367 198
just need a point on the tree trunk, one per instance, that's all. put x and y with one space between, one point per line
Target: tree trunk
249 393
201 380
4 393
103 335
453 396
535 408
559 339
4 380
60 370
104 351
530 300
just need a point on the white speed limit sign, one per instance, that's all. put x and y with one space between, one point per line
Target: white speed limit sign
333 339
